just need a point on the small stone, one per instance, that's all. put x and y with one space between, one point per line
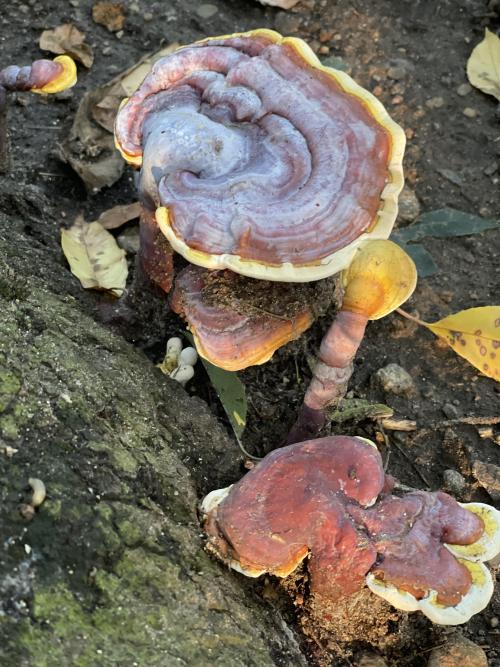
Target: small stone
469 112
395 379
129 240
134 7
148 17
494 622
396 73
454 482
488 475
450 411
74 3
325 35
409 206
397 99
464 89
434 103
107 50
458 651
119 34
491 169
286 23
206 11
324 50
377 91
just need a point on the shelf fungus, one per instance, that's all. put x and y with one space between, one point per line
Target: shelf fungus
42 76
328 502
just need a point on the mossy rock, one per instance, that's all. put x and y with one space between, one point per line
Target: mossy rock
111 569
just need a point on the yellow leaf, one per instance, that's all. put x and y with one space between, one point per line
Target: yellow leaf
94 256
475 335
483 66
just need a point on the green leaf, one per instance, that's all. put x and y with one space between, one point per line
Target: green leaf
446 223
442 223
359 409
423 259
231 392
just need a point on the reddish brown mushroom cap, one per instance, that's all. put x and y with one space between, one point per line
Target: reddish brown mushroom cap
230 316
320 498
293 502
261 160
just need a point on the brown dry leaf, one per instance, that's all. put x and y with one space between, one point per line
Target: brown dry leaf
109 14
125 84
94 256
483 66
475 335
90 147
119 215
67 39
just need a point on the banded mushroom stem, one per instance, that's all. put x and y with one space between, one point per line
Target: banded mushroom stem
331 374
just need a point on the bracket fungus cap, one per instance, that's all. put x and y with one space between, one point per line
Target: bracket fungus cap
261 160
328 499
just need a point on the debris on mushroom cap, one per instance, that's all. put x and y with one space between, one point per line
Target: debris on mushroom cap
379 279
260 159
328 498
237 322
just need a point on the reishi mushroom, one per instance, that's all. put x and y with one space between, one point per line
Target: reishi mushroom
256 158
42 76
328 501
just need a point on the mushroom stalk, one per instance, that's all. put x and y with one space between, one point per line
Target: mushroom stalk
42 76
380 278
331 374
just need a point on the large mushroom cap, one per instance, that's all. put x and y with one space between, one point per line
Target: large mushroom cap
261 160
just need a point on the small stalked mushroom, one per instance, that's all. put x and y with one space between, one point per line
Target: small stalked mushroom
328 502
42 76
379 279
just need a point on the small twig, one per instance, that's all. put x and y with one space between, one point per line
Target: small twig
392 424
411 317
474 421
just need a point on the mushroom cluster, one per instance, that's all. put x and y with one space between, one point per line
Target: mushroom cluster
257 160
329 501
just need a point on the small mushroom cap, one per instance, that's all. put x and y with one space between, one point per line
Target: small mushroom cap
379 279
233 333
487 546
65 79
261 160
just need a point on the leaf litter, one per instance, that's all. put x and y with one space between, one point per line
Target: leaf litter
94 256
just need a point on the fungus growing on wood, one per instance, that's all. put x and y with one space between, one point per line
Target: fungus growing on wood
328 500
42 76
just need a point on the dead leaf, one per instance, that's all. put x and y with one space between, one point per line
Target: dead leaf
67 39
475 335
94 256
90 147
119 215
483 66
109 14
